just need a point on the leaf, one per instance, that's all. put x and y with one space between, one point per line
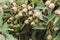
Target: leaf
5 27
10 37
3 1
1 15
56 20
39 27
56 28
57 37
40 5
49 12
25 1
51 19
54 1
11 1
2 37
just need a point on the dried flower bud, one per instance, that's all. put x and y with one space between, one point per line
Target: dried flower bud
37 15
11 18
33 23
30 7
25 10
14 9
18 25
49 37
26 21
11 25
52 5
20 14
30 18
15 26
47 3
57 12
30 12
10 29
14 4
8 21
5 6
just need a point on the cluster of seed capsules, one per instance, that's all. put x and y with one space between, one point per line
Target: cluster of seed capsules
22 15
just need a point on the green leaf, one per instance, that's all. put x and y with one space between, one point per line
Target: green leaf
10 37
56 28
56 20
57 37
51 19
3 1
5 27
1 21
49 12
11 1
39 27
25 1
40 5
2 37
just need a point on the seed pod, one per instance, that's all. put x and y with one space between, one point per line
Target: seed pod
8 21
26 21
49 37
30 12
57 12
33 23
25 10
15 26
11 18
17 17
30 18
5 6
20 14
1 9
47 3
14 4
36 15
52 5
10 29
14 9
30 7
11 25
18 25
